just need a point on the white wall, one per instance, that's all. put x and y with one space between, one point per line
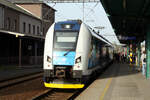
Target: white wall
29 20
1 17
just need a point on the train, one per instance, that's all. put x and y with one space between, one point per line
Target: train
73 53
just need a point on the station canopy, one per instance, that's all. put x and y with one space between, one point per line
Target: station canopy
129 18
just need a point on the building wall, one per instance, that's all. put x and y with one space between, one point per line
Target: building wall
48 15
14 22
24 25
11 20
47 12
43 11
33 8
46 26
1 17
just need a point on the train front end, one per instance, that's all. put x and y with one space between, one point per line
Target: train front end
60 56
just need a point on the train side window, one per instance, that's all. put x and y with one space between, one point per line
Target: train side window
92 41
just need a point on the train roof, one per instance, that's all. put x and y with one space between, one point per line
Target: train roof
70 22
77 24
73 25
100 37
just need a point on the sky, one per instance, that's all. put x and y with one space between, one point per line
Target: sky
94 15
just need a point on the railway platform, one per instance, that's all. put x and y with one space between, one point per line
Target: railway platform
9 73
118 82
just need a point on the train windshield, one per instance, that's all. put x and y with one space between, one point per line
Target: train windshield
65 40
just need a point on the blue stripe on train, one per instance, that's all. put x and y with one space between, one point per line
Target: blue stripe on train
60 59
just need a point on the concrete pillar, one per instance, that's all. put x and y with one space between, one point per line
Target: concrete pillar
127 52
20 52
148 53
35 51
139 54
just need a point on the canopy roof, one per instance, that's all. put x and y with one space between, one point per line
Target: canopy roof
129 18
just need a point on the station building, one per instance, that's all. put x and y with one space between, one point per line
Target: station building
22 32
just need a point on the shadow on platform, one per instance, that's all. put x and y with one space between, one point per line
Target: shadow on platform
119 69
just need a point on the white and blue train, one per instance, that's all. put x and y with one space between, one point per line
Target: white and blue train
72 53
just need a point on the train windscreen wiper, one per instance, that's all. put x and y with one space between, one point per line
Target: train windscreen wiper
67 52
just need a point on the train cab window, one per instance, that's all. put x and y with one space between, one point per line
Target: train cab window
65 40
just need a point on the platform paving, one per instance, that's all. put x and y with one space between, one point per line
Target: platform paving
118 82
8 73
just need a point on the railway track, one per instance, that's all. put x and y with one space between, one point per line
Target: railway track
63 94
14 81
58 94
31 87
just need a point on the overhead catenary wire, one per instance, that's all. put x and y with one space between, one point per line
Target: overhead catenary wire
91 9
88 11
83 10
94 15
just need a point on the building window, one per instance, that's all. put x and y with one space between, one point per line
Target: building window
24 27
47 17
8 23
33 29
15 25
29 28
1 17
38 30
43 30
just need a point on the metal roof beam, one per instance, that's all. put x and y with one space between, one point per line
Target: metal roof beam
125 5
130 17
145 7
107 6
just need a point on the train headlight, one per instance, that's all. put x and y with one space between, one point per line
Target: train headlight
49 59
78 60
67 26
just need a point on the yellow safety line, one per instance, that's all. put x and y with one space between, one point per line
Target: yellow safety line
53 85
105 89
